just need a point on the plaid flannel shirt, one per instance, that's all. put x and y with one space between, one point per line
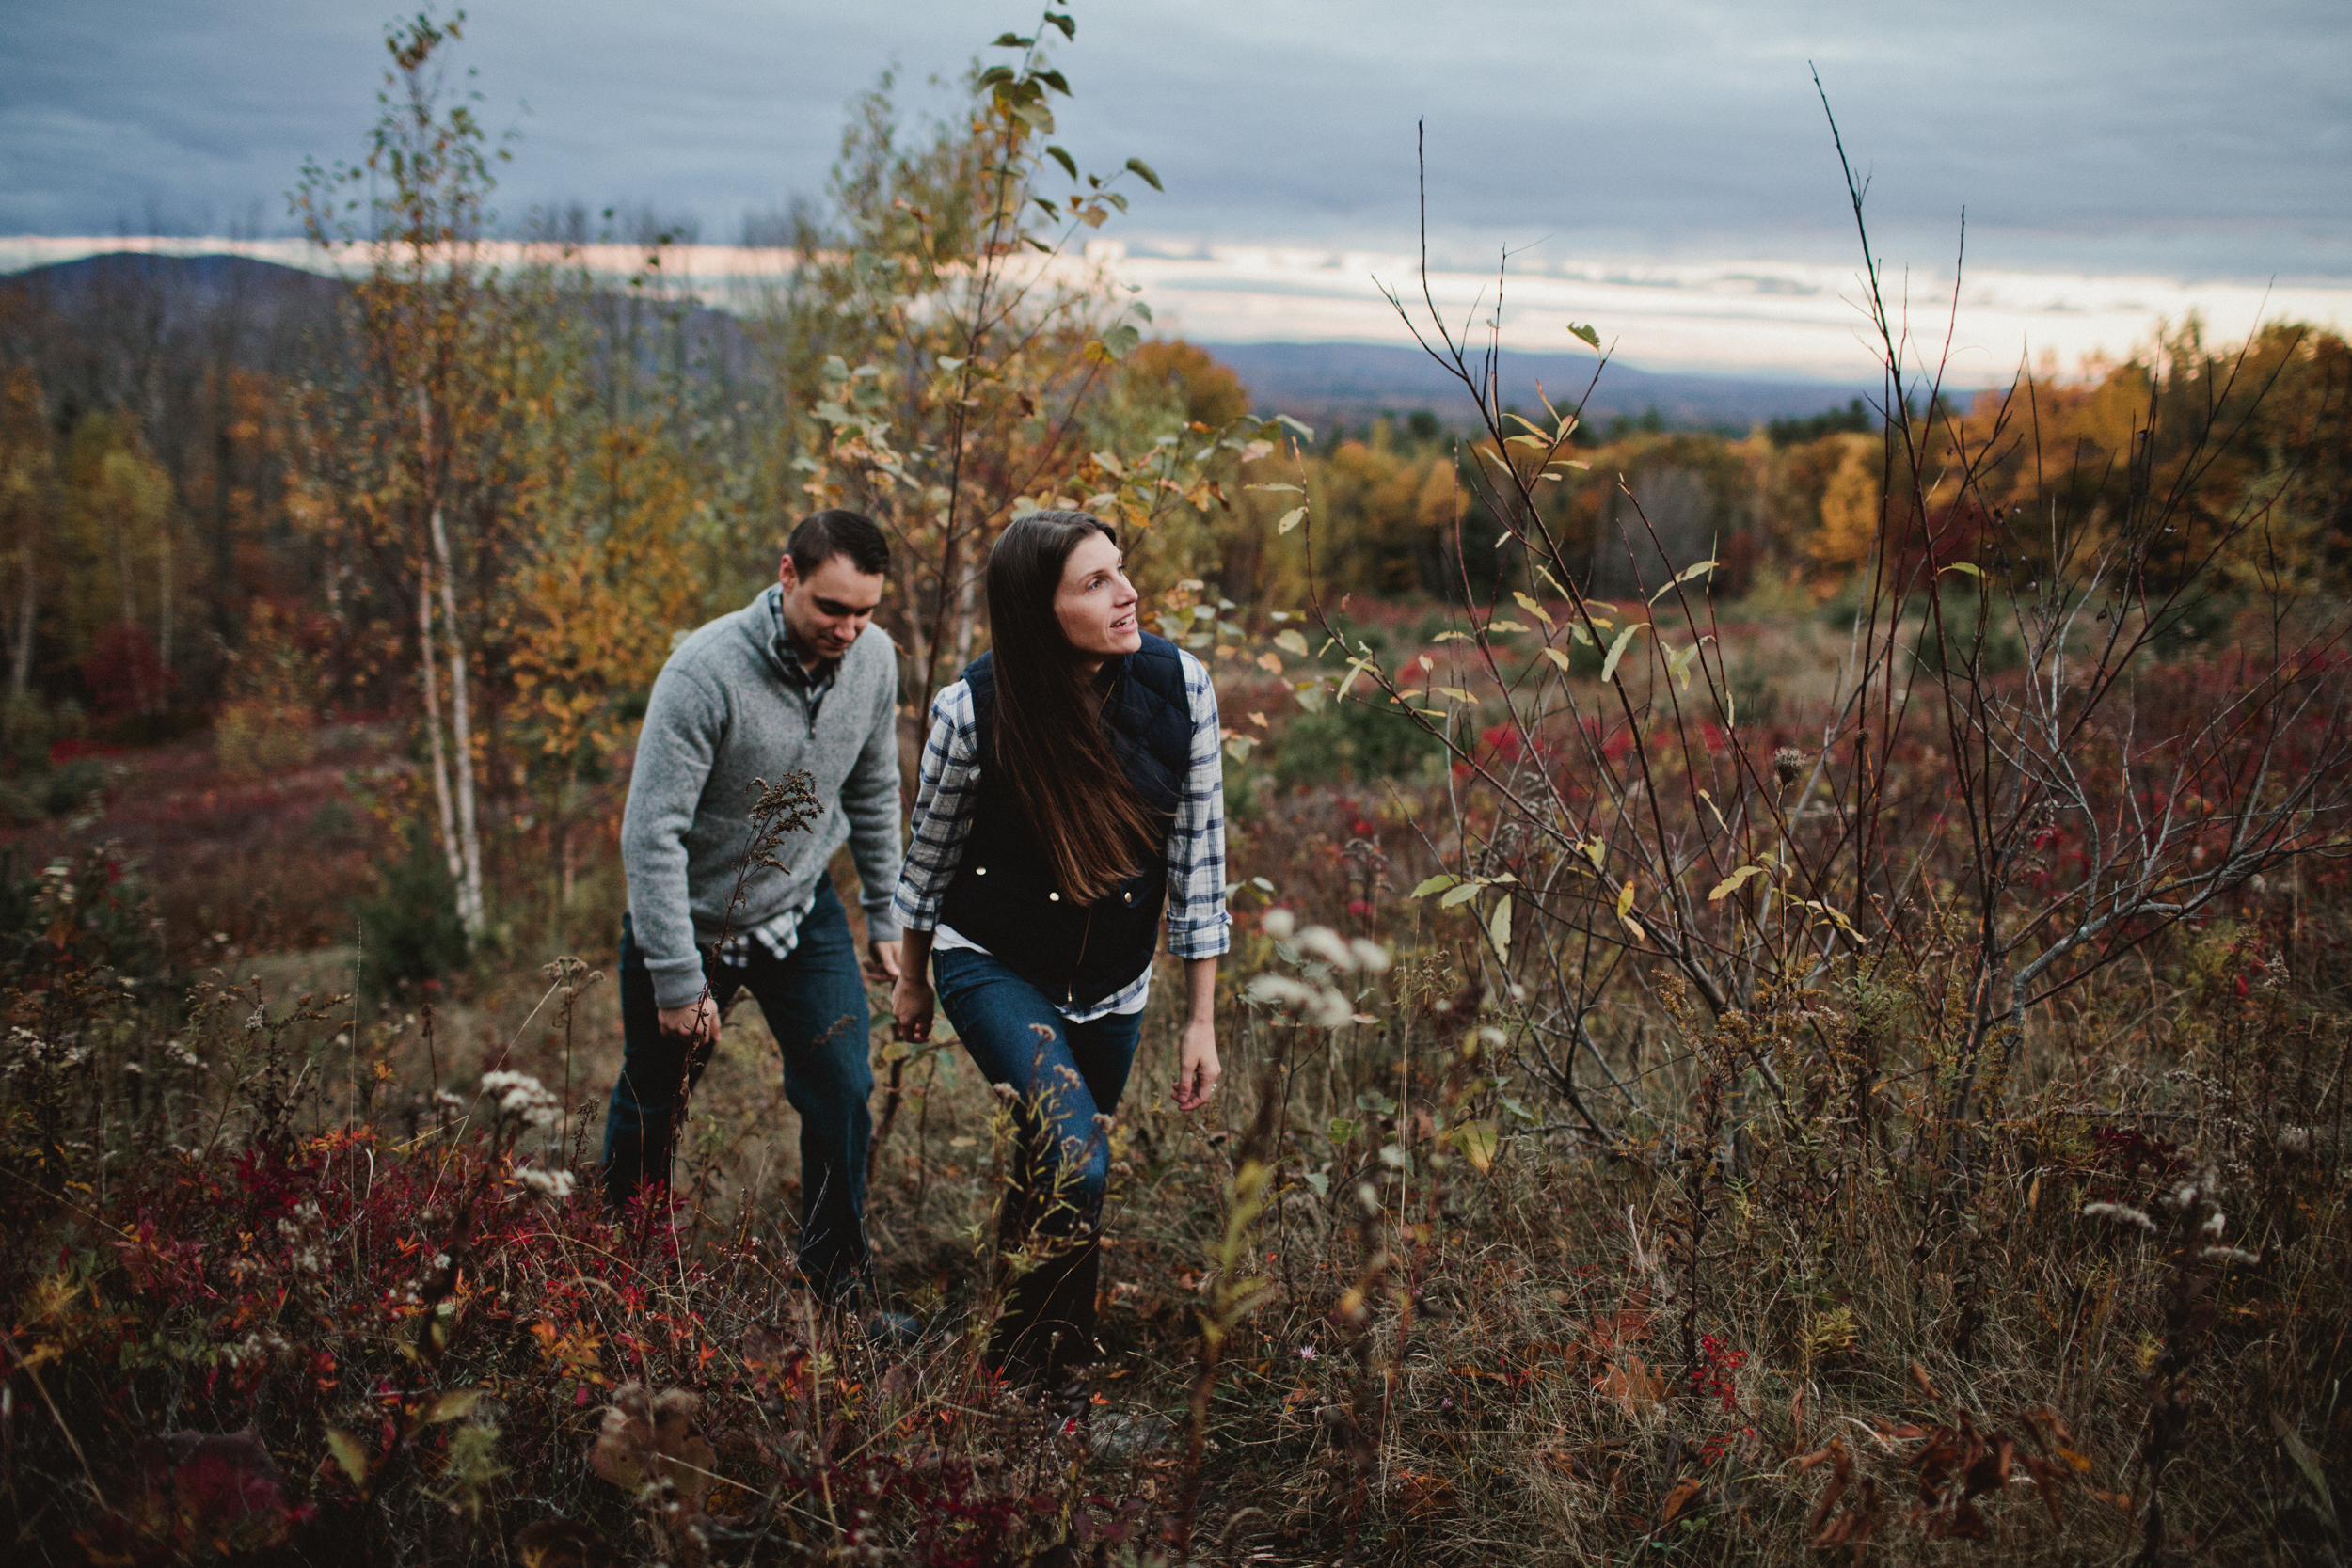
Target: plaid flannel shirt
947 789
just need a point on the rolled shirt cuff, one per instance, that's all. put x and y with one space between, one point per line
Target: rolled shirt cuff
1209 940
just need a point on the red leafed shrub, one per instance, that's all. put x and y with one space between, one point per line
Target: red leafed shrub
125 674
193 1496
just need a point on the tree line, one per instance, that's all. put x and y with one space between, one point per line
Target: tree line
486 499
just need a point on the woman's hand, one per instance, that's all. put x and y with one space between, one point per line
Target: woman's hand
1197 1067
911 1004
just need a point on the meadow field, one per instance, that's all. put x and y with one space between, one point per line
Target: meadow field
1789 999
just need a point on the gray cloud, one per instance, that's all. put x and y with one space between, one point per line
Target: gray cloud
2188 140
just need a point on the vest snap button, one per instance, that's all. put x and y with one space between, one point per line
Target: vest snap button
1128 897
1055 896
979 871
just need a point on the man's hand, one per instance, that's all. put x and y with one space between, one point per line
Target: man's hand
1197 1067
911 1004
881 963
694 1024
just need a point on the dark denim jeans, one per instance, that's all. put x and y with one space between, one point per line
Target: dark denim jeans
1065 1074
815 1003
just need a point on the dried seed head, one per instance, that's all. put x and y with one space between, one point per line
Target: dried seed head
1787 762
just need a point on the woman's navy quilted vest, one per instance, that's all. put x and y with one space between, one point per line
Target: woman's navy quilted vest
1004 895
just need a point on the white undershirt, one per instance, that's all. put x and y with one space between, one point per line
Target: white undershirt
947 938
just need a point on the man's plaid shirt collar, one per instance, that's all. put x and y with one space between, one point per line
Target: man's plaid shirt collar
814 682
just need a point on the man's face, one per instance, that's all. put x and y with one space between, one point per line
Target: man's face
830 606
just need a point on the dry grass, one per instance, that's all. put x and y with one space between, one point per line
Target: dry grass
1448 1328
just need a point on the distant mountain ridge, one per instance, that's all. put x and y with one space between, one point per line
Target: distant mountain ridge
1320 383
1356 383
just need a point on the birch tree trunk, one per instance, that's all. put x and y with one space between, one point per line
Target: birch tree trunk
28 606
163 603
433 723
469 907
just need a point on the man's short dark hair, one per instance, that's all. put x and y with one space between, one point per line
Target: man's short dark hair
823 535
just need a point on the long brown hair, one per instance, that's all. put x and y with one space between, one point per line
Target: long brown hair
1050 742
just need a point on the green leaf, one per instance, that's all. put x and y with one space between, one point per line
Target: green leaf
1061 155
995 75
1478 1141
1616 649
1558 658
1968 566
1438 883
1462 895
1499 928
455 1406
1291 488
1729 884
350 1454
1143 171
1591 338
1053 79
1061 19
1532 607
1320 1182
1682 576
1305 432
1290 519
1291 642
1311 695
1342 1129
1679 664
1012 40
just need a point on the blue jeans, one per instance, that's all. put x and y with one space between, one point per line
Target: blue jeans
815 1003
1064 1075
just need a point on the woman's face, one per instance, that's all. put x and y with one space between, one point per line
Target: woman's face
1095 603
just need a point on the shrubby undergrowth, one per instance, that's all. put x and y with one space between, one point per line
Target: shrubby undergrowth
275 1299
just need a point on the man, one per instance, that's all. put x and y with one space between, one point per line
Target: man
798 679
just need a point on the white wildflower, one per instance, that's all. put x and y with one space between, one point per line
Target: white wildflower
1371 956
1318 1007
521 1095
2214 1226
1278 924
1321 942
1279 991
2232 1255
2120 1214
553 1185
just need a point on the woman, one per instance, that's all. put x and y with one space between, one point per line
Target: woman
1070 783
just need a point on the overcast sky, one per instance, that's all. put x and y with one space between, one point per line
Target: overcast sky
2148 136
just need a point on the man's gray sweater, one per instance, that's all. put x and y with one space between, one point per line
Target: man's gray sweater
722 716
